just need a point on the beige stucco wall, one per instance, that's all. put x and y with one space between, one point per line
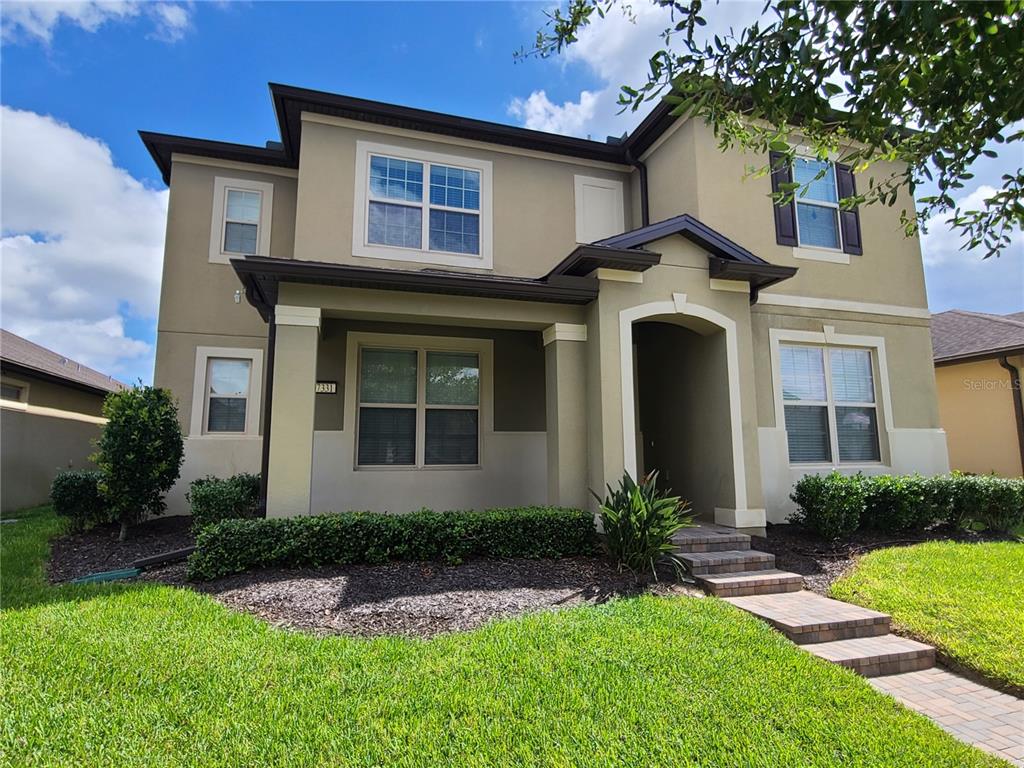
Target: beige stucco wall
49 394
34 449
688 173
976 410
534 220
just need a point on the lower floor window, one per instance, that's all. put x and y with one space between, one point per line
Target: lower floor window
418 407
227 385
830 410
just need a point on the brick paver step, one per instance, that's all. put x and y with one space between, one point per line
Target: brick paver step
710 538
742 583
729 561
875 656
805 617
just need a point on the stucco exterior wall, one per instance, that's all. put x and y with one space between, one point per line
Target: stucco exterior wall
45 393
976 410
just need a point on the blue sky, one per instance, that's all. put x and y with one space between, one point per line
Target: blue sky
91 77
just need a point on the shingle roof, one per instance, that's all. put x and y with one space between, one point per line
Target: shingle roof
22 352
960 334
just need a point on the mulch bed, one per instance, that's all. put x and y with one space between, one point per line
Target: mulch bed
419 599
821 563
98 549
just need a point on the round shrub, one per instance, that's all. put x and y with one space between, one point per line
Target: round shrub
894 503
76 495
829 505
213 499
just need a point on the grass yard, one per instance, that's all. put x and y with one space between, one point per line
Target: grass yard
966 599
151 676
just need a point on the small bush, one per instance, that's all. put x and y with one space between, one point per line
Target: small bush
76 496
639 521
894 503
234 546
213 499
830 505
993 502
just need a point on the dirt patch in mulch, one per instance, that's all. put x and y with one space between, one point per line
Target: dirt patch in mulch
420 599
821 563
96 550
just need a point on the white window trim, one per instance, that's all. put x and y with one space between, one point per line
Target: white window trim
22 385
483 348
579 183
883 397
221 185
361 209
820 252
197 424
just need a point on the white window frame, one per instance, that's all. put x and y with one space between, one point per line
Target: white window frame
819 252
200 398
361 210
221 186
875 345
482 348
22 386
618 222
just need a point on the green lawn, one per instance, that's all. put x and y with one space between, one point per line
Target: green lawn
966 599
151 676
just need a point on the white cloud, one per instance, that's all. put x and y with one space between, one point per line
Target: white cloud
616 49
37 19
82 245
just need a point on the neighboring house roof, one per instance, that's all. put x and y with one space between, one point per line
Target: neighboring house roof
960 335
18 355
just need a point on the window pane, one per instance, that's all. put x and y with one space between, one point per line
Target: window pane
10 392
858 434
229 377
807 431
397 225
805 171
818 225
387 436
454 187
388 376
453 378
451 437
243 206
803 373
454 232
240 238
851 376
226 414
396 179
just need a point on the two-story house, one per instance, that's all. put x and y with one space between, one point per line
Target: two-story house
392 309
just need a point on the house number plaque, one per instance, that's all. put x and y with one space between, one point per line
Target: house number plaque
326 388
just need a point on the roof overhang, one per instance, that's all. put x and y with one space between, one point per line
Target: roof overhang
262 276
586 258
18 369
985 354
162 147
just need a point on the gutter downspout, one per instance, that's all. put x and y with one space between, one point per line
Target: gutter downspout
645 211
1018 406
268 398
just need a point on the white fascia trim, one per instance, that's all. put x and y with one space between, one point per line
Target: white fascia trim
841 305
361 209
255 401
679 305
826 255
564 332
618 275
734 286
220 200
285 314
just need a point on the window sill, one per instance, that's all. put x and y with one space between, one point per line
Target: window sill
437 258
225 436
414 468
821 254
840 467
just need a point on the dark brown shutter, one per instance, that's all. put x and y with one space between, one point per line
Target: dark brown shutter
785 215
849 220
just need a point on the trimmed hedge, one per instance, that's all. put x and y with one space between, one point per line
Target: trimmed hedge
76 495
234 546
213 499
835 505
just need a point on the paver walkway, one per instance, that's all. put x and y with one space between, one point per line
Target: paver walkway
857 638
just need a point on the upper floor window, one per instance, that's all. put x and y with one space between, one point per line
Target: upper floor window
420 206
830 410
241 219
817 208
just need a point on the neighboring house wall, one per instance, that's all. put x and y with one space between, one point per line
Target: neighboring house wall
976 407
52 428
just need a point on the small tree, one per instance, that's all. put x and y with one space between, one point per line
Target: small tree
140 453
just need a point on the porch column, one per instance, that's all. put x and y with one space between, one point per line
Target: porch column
565 356
291 434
